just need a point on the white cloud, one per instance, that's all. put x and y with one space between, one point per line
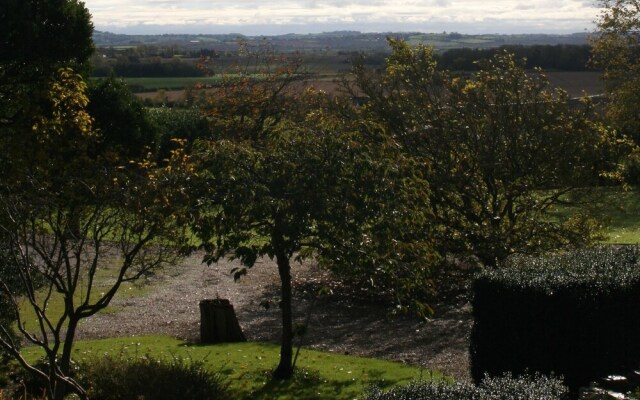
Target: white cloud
468 15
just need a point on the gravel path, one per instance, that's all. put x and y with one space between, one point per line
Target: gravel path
336 323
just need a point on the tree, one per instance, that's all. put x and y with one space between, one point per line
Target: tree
176 124
71 219
500 149
68 215
520 152
126 129
8 273
38 37
286 178
616 49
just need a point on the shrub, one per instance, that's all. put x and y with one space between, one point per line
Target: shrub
573 314
176 123
632 169
20 384
118 378
504 388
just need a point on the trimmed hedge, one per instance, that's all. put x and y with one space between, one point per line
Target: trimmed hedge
503 388
576 314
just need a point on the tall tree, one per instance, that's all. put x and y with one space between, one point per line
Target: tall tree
33 47
67 216
500 149
616 49
285 178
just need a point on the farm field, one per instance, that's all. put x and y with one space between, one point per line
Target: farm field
575 83
169 83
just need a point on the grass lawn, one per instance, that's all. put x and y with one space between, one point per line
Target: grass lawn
619 209
623 212
246 366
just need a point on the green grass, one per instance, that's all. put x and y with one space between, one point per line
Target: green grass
618 209
247 366
623 212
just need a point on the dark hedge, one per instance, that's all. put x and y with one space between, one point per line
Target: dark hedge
574 314
502 388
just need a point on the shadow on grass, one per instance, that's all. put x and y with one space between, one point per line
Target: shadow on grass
305 384
309 384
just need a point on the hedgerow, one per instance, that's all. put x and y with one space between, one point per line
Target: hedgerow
538 387
574 314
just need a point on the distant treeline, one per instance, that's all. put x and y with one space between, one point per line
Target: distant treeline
560 57
563 57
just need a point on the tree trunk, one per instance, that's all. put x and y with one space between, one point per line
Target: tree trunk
62 386
64 363
285 368
218 322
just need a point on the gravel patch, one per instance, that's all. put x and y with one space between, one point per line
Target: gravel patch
336 323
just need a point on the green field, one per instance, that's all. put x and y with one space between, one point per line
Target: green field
170 83
246 366
149 84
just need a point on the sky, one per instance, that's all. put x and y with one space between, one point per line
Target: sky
255 17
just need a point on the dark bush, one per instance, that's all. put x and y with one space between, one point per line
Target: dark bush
503 388
121 118
119 378
9 276
632 170
176 123
574 314
23 385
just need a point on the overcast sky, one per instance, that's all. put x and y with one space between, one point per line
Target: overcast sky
254 17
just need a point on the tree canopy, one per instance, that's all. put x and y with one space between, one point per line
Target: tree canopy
500 149
38 37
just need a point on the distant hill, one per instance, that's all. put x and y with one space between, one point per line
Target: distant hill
342 41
